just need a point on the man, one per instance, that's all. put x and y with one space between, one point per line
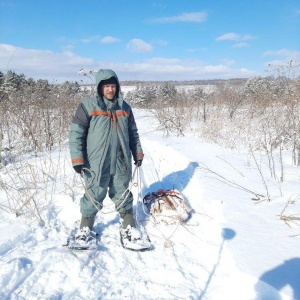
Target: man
103 137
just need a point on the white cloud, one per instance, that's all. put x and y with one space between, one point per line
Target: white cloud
68 48
160 42
73 41
163 61
50 65
198 17
43 64
89 39
282 57
192 50
228 62
247 37
139 46
232 36
284 53
160 5
176 69
109 40
240 45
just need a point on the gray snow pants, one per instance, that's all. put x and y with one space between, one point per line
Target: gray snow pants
96 191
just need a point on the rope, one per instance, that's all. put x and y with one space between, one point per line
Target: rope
136 173
92 199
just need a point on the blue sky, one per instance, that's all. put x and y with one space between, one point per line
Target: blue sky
148 40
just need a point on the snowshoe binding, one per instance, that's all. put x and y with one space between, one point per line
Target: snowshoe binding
82 239
133 239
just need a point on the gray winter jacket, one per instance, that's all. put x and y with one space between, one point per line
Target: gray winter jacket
92 128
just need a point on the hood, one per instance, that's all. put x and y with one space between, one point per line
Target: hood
104 74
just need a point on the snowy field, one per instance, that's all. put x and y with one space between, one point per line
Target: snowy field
232 248
129 88
206 88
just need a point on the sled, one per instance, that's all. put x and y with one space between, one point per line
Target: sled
167 206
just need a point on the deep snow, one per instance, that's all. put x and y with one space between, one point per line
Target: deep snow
231 248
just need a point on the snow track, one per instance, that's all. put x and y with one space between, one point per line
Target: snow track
189 261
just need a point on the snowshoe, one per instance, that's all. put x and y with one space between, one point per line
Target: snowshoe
133 239
82 239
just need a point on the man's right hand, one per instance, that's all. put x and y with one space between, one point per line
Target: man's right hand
78 168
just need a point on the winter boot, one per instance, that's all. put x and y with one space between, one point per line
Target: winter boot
127 219
87 222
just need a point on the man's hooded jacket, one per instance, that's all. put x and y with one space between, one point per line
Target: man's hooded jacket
103 133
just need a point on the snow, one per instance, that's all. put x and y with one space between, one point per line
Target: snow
232 247
206 88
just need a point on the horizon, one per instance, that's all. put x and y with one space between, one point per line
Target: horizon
134 81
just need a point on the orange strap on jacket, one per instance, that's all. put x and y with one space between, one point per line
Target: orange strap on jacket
77 160
110 115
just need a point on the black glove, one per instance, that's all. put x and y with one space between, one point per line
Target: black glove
78 168
138 162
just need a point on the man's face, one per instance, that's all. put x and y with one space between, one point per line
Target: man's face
109 91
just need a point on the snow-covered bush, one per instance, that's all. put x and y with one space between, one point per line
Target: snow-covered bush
35 115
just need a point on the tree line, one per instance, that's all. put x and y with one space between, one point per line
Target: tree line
260 113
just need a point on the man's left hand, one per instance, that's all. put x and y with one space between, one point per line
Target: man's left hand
138 162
